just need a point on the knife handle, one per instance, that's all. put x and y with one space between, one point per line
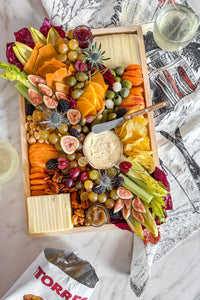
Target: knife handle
146 110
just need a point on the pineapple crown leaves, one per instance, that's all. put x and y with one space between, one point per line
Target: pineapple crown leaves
94 55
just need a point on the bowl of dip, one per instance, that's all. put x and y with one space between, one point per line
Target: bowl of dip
102 150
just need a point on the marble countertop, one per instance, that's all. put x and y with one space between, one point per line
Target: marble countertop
176 276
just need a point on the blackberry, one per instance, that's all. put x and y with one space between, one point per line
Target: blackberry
120 112
63 105
115 216
52 164
117 181
29 109
74 132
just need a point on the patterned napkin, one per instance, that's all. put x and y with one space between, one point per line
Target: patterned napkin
174 76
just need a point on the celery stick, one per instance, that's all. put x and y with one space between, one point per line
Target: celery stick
135 189
22 89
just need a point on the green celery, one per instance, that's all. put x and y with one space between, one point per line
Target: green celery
135 189
22 89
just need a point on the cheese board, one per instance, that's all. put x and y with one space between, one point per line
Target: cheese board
132 52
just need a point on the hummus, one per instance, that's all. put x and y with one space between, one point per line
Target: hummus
102 150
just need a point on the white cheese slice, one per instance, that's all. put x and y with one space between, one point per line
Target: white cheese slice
122 49
49 213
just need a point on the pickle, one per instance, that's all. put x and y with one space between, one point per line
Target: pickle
104 116
110 110
97 120
112 116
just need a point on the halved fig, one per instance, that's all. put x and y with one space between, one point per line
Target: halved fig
45 89
35 97
74 116
127 203
90 119
138 216
119 204
35 80
60 95
69 144
124 193
137 205
50 102
126 212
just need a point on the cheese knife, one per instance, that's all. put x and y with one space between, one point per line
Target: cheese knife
98 128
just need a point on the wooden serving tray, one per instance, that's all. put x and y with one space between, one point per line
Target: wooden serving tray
139 48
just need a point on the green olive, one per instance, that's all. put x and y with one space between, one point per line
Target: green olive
83 121
110 94
79 85
112 116
124 92
112 72
81 76
118 100
117 78
71 81
85 129
76 93
119 70
127 83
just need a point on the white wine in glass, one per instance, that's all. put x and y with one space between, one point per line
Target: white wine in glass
9 161
175 26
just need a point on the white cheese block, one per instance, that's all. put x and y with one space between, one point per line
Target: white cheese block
49 213
121 48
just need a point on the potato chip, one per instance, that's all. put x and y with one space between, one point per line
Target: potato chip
145 159
134 137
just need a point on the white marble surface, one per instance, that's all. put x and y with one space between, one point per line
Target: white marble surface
175 277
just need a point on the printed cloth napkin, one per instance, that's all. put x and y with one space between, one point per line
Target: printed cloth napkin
174 76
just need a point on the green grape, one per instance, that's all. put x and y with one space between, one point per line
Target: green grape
88 185
73 44
94 174
72 55
62 48
102 198
110 203
84 196
37 115
58 146
63 129
44 134
71 156
93 197
113 195
54 138
112 172
82 162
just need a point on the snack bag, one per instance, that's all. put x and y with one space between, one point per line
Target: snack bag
55 275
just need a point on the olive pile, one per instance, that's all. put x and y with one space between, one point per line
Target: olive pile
77 82
114 98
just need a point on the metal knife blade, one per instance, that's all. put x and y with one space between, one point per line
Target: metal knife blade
98 128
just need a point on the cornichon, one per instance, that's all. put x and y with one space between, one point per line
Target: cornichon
104 116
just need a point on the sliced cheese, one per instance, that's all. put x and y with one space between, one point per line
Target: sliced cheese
49 213
121 48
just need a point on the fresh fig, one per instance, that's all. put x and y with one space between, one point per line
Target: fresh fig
124 193
119 204
35 80
60 95
69 144
45 89
137 205
126 212
138 216
127 203
90 119
74 116
50 102
35 97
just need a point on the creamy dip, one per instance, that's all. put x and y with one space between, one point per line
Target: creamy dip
102 150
